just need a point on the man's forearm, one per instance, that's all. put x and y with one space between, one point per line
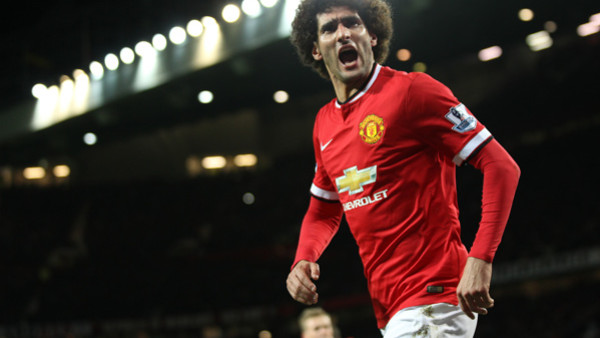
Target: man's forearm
500 179
321 222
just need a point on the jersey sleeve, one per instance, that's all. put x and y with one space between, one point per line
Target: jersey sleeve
322 187
437 117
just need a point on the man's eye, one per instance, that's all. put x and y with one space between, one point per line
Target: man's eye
327 29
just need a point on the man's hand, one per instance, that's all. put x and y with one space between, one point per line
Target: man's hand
300 282
474 288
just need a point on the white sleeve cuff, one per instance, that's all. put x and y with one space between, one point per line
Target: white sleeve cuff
325 194
471 146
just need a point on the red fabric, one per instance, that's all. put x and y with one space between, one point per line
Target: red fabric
500 178
387 157
321 222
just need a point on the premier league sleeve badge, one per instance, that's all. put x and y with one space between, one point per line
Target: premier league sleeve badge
461 119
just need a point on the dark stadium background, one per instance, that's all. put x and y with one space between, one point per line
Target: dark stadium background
133 245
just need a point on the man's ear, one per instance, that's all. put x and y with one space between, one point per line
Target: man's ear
316 53
373 40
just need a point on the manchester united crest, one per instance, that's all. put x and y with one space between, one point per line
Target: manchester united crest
371 129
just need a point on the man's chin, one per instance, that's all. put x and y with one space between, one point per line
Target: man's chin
352 74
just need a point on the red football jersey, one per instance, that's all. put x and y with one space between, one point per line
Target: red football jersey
389 155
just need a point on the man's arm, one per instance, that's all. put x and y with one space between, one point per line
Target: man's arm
500 178
321 222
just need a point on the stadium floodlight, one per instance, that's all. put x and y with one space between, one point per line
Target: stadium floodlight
538 41
34 173
90 139
38 90
550 26
177 35
588 28
159 42
525 14
80 75
210 23
205 96
490 53
245 160
144 48
96 69
420 67
194 28
403 54
61 170
251 8
214 162
231 13
281 96
268 3
111 61
127 55
248 198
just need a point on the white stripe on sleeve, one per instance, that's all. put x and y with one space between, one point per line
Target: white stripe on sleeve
328 195
473 144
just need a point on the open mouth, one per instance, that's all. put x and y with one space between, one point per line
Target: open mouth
348 56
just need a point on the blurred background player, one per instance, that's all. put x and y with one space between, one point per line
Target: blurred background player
315 322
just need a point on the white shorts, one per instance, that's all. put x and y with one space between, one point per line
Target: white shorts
437 320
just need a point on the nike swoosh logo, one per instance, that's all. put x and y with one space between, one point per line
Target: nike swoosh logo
323 146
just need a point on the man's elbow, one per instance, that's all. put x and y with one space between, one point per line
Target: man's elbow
510 168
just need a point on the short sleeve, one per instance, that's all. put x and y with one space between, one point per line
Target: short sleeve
436 116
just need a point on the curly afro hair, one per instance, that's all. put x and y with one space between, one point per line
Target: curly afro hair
376 14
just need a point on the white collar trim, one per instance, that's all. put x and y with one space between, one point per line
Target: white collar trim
362 92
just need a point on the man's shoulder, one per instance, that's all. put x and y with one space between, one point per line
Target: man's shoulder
401 75
393 78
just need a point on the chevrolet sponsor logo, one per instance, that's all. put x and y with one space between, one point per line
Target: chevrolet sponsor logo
361 202
354 179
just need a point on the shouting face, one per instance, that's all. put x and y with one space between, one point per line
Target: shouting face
345 45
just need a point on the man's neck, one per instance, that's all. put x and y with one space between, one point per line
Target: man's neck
345 90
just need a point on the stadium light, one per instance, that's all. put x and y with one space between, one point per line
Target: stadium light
268 3
209 23
127 55
61 170
34 173
214 162
550 26
281 96
80 75
526 14
420 67
96 70
251 8
245 160
248 198
177 35
538 41
38 90
490 53
403 54
194 28
144 48
231 13
90 139
111 61
159 42
587 28
67 90
205 96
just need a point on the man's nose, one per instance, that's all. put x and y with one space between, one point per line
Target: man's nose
343 32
